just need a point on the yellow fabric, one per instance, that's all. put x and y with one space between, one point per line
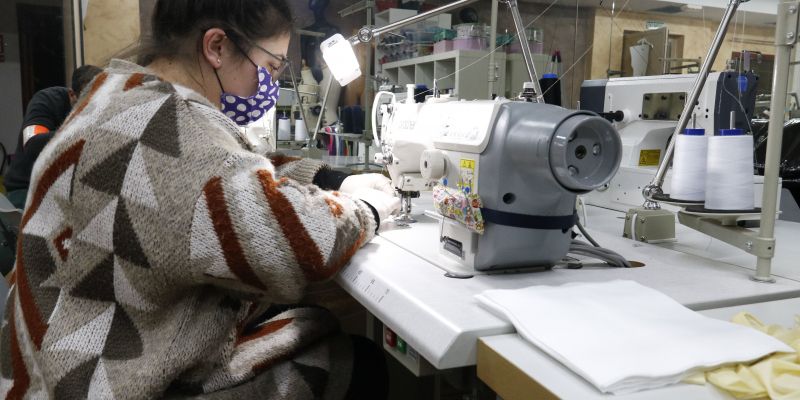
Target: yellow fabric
774 377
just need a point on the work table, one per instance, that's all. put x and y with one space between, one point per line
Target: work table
397 278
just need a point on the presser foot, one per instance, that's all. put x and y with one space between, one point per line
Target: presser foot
404 220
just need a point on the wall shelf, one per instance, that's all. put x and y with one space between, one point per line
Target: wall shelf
464 71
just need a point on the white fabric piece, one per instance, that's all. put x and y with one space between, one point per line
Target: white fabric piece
353 183
383 203
623 337
640 58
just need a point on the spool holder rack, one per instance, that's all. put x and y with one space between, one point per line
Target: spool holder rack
724 227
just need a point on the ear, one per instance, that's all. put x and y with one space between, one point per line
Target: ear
73 97
213 47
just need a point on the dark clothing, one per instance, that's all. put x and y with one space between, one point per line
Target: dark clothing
17 198
19 175
370 378
329 179
49 108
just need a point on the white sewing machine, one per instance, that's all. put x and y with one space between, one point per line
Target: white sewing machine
401 142
645 111
526 161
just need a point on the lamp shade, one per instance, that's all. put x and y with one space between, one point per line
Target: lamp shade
341 59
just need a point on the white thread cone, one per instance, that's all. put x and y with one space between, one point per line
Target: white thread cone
729 181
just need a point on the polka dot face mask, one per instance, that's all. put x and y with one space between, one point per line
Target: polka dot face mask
244 110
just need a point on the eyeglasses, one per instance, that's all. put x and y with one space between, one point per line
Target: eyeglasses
276 72
284 62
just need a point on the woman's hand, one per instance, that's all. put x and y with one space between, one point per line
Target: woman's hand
378 182
384 204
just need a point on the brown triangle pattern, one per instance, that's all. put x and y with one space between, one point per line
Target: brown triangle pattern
126 242
109 175
98 285
161 132
75 384
123 341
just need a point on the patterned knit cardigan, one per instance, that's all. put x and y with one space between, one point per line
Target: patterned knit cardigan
150 243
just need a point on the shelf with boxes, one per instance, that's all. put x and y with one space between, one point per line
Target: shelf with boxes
415 40
466 72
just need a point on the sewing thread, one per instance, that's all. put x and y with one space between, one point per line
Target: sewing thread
689 166
300 131
284 129
729 180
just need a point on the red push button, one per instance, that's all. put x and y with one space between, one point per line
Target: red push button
390 337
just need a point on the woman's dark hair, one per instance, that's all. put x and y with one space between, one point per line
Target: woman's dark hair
179 24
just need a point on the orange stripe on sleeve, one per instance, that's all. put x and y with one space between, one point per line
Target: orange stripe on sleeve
303 246
228 240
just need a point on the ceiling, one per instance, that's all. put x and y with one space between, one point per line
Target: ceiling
755 12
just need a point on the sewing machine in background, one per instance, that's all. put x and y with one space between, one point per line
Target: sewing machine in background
645 111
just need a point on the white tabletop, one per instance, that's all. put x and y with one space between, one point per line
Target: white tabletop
396 278
784 264
565 384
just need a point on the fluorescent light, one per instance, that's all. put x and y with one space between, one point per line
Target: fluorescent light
695 7
341 59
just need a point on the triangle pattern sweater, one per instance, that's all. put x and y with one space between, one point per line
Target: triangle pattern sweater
154 248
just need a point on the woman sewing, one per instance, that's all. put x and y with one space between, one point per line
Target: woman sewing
157 254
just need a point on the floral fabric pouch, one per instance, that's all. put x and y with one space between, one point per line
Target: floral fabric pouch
462 207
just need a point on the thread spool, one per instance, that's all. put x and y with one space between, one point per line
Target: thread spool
284 129
729 179
551 87
300 131
689 166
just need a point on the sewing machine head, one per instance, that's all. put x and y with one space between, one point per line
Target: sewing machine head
516 168
402 145
645 110
505 174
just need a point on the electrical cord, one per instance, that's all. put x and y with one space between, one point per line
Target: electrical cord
586 234
594 250
608 256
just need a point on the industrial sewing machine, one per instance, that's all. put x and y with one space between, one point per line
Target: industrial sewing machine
401 147
645 111
524 162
